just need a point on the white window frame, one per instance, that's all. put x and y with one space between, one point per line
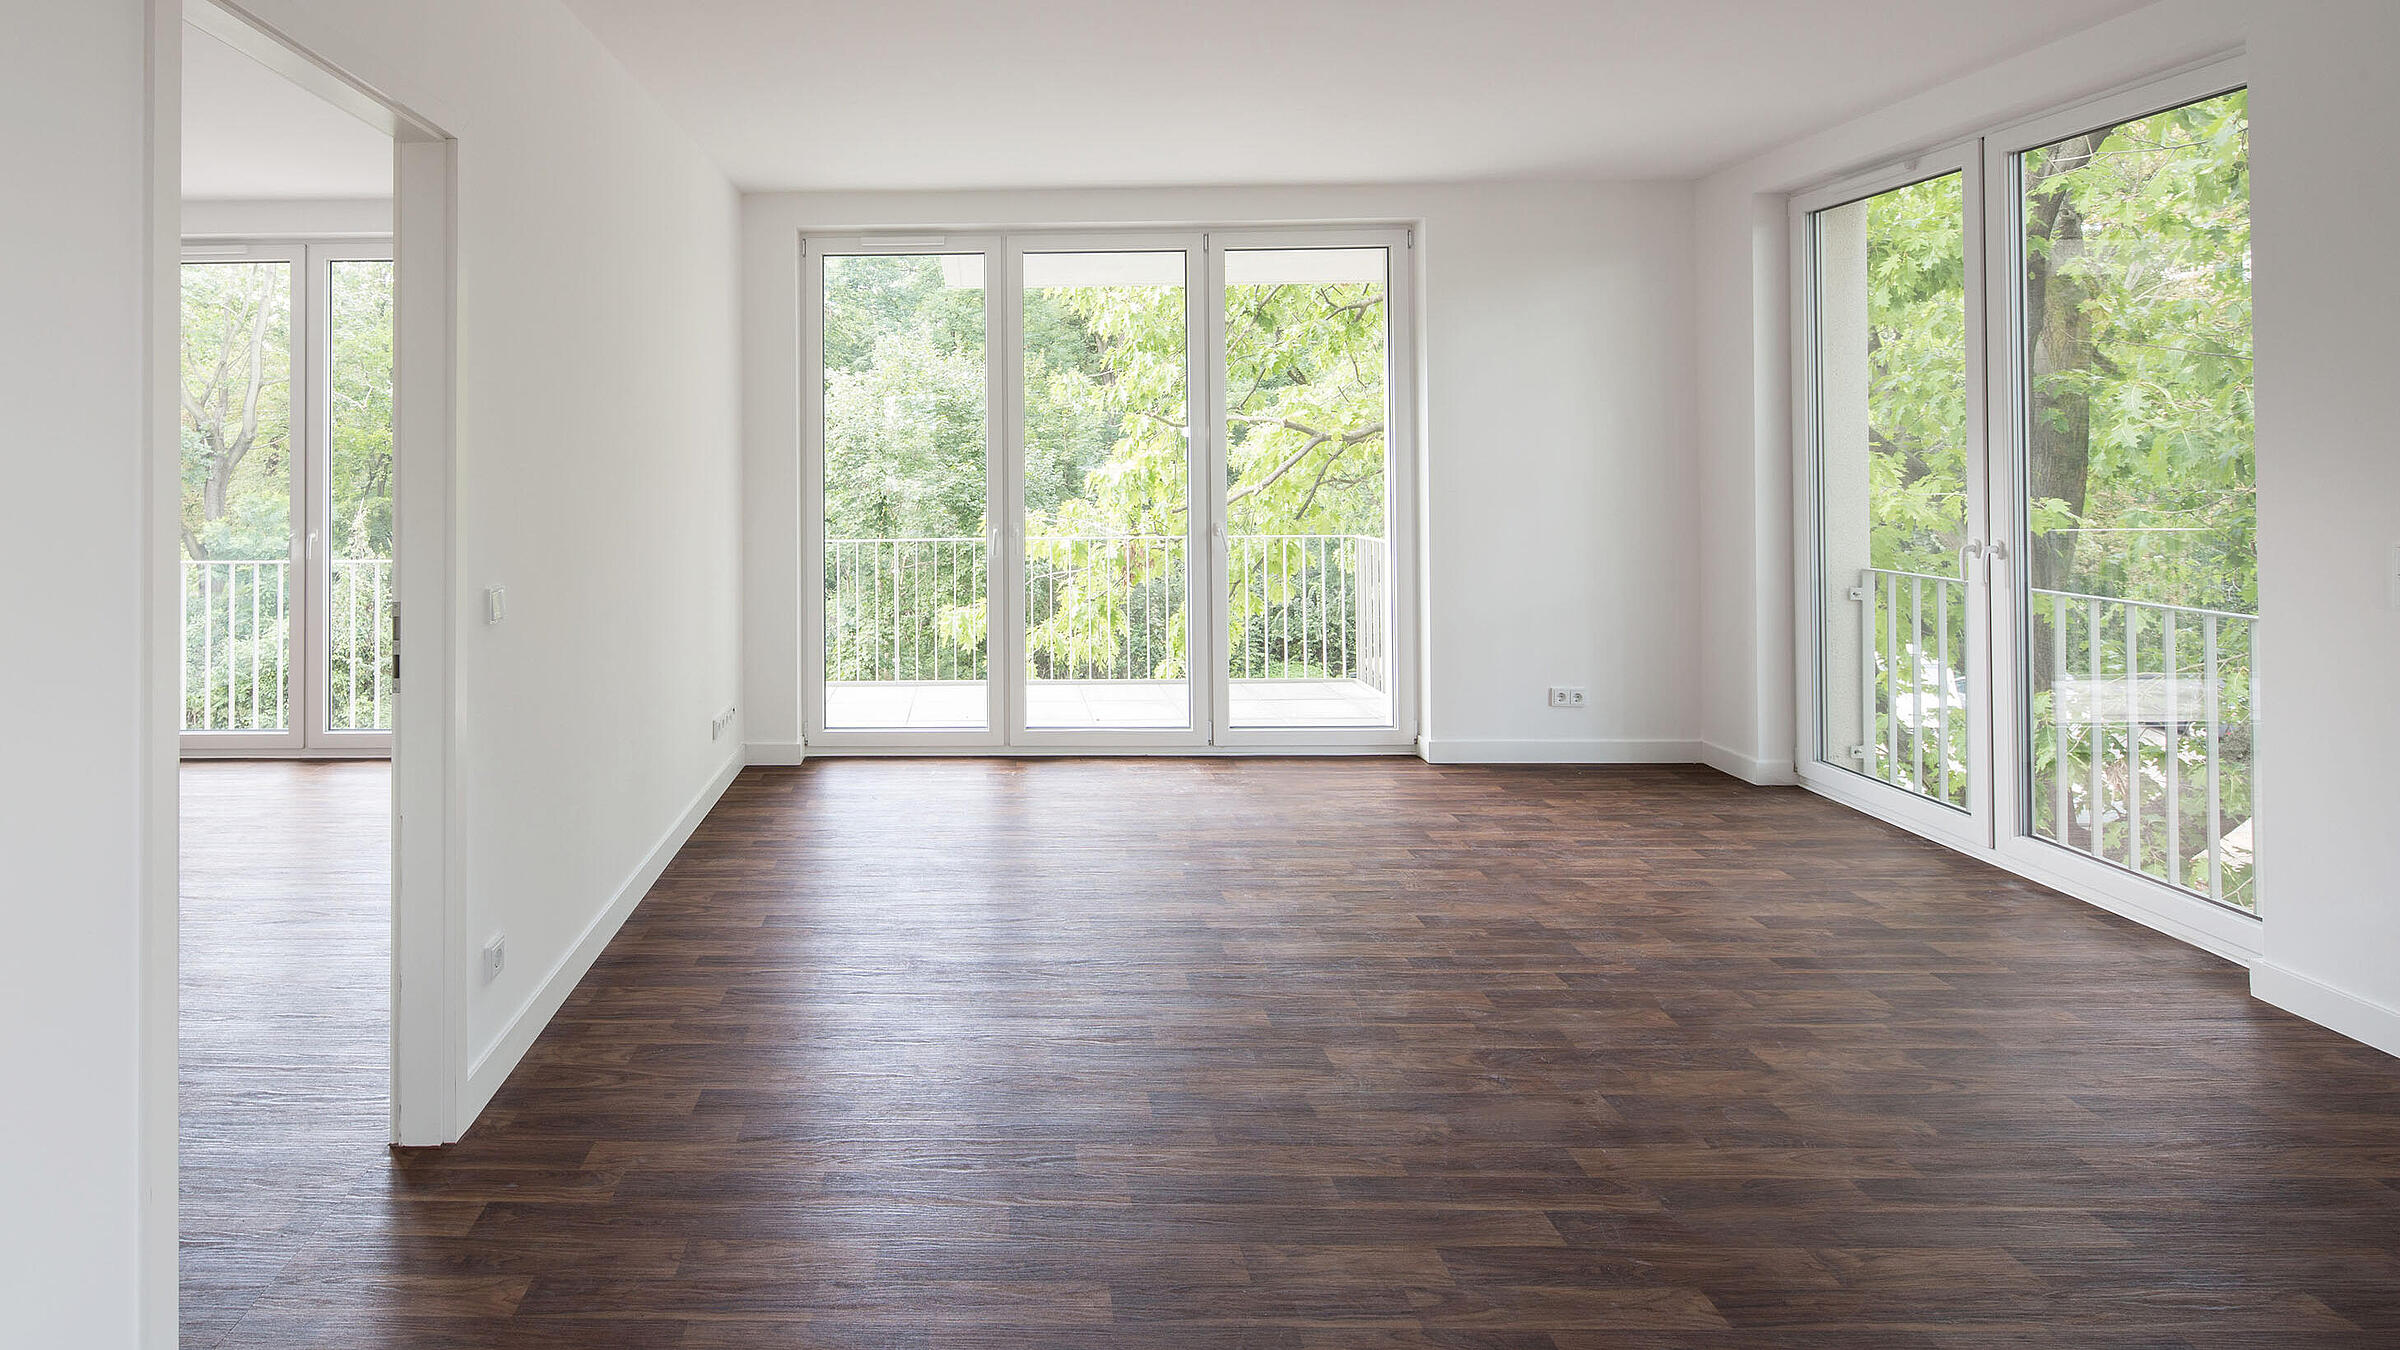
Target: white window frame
1971 827
1995 324
307 733
1209 730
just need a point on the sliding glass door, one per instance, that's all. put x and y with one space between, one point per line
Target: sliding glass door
286 531
2043 652
1136 490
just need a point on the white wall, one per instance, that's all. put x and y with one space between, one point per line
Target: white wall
599 478
81 766
2329 477
1556 388
286 217
2329 514
599 473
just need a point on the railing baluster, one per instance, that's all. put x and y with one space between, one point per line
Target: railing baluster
2216 819
1916 682
1942 681
2133 740
1891 679
2174 753
2091 705
2058 714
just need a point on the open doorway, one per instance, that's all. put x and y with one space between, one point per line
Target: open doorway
289 660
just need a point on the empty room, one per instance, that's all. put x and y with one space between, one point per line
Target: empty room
1100 674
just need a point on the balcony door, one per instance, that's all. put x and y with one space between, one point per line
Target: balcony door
1898 677
2027 619
1137 490
286 524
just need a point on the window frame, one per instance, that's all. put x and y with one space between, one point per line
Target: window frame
307 732
1204 247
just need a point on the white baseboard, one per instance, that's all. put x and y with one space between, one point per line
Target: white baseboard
2361 1019
1444 750
492 1067
1748 768
774 752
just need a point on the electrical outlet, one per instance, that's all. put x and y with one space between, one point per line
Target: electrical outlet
1566 696
495 957
717 724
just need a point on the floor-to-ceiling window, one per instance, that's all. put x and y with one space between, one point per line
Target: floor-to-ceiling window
2033 561
2139 494
286 530
1142 489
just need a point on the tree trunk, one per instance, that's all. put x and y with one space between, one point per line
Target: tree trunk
2059 325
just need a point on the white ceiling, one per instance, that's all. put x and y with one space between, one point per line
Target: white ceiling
971 93
248 133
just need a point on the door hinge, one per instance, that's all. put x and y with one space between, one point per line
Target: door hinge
1412 238
395 642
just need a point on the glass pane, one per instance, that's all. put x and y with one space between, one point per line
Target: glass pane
906 570
1892 470
1308 604
359 556
1105 500
237 495
2142 565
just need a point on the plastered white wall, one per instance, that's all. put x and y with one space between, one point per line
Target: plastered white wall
81 767
1559 495
598 460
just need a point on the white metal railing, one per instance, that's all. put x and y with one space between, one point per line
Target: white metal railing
1106 607
2141 726
237 647
1308 606
2142 738
1912 696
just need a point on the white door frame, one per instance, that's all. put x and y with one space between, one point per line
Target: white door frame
1207 566
998 691
1200 644
429 967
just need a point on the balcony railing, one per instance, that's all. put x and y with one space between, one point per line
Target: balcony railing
2143 736
1106 607
237 647
2140 733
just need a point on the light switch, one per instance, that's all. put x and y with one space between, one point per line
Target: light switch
495 603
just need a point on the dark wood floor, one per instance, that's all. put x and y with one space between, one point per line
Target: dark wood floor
286 972
1364 1053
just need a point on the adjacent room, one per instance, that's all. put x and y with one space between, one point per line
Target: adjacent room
1302 676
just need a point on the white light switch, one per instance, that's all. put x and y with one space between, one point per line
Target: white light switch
495 603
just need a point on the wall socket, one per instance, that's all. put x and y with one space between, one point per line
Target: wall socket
717 724
495 957
1566 696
